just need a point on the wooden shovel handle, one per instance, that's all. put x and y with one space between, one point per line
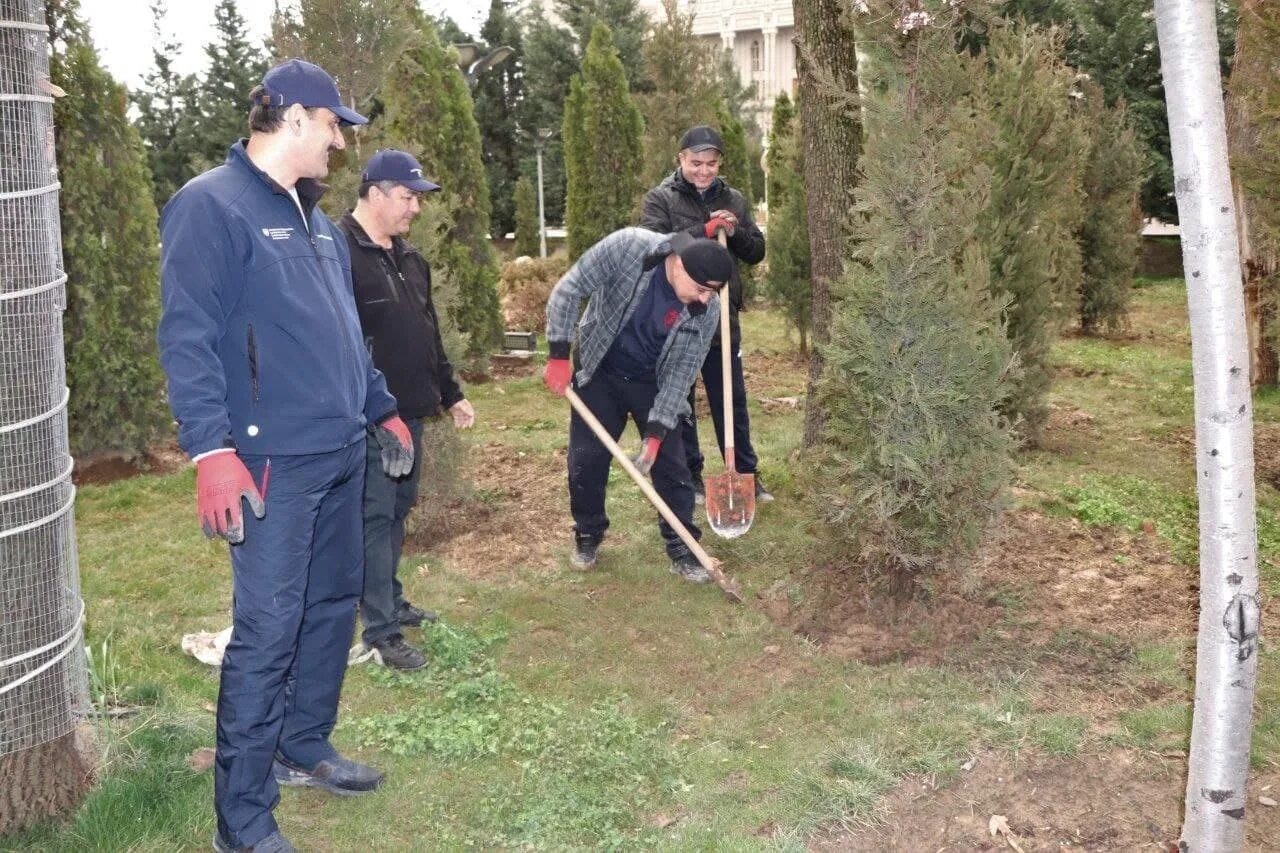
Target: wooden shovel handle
708 562
726 383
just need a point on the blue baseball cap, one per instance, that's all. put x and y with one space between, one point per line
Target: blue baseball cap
297 81
399 166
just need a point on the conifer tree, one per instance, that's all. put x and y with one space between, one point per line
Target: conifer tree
497 95
528 234
914 455
1111 234
684 91
784 114
427 110
1036 158
789 281
221 98
164 103
734 168
628 26
110 245
602 131
550 61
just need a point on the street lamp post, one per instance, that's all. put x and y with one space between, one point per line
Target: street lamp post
542 212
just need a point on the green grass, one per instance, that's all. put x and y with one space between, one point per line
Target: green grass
622 709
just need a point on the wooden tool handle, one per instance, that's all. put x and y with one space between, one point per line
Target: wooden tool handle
726 383
643 482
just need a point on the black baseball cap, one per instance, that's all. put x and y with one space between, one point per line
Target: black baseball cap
399 166
706 261
297 81
701 138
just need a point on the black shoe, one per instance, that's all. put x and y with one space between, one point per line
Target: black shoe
690 569
762 494
585 547
699 488
412 617
339 776
397 654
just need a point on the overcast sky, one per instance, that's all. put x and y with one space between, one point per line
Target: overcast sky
123 34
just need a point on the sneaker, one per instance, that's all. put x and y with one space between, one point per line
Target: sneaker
690 569
762 494
339 776
273 843
413 617
699 488
397 654
585 547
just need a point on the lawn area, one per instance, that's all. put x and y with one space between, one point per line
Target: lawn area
626 709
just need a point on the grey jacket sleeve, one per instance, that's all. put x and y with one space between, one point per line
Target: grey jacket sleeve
597 266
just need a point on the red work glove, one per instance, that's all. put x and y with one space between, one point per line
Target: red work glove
648 454
557 375
714 225
396 444
221 481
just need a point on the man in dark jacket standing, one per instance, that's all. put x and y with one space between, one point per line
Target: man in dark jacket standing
273 392
401 327
696 200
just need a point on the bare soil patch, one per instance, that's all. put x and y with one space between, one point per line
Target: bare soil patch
101 469
1041 580
1120 800
513 517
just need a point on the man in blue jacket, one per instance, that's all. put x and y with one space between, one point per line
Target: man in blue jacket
273 391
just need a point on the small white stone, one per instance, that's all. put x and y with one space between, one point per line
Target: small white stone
252 430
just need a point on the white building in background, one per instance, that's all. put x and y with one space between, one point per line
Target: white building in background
757 32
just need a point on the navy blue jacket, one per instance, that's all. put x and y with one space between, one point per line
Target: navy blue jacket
259 335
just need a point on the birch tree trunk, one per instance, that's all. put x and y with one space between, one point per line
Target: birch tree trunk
1227 641
831 129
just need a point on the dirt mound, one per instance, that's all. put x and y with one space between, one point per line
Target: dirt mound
1117 801
1042 579
504 522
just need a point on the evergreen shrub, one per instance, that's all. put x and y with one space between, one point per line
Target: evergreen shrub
915 453
1111 235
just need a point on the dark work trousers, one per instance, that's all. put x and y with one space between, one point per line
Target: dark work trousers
713 381
295 581
386 505
613 399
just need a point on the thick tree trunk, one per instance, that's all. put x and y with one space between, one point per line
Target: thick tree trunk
827 64
1227 641
44 782
43 770
1252 74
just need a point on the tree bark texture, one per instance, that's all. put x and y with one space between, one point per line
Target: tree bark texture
1227 639
1252 75
44 782
831 129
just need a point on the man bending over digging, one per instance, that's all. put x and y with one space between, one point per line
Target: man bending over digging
652 312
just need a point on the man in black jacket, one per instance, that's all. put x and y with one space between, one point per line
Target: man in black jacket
402 330
696 200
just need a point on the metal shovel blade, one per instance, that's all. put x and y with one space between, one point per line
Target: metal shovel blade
731 503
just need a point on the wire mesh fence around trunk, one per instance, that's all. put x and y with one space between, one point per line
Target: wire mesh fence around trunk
43 691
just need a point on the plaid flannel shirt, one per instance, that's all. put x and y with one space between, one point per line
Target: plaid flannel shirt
612 275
